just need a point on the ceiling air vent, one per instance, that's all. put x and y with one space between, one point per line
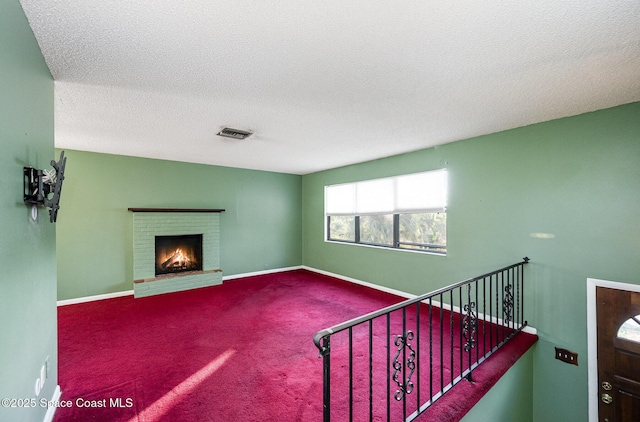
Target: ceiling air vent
234 133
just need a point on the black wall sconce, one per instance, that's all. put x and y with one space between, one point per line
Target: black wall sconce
40 184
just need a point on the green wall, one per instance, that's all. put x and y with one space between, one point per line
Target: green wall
260 229
28 284
509 400
575 179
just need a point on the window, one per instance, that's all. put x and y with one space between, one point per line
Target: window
376 229
342 227
630 330
402 212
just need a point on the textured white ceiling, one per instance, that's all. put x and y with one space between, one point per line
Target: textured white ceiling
325 83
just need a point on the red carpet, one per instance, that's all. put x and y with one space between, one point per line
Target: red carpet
239 351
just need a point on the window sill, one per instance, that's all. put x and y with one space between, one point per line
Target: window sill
338 242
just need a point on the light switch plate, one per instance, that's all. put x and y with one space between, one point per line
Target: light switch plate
567 356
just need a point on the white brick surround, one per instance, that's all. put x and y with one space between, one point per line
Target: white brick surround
149 224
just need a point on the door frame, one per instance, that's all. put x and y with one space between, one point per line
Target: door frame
592 337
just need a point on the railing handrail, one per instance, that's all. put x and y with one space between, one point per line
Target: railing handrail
375 314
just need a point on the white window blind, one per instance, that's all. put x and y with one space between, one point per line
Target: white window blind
418 192
340 199
421 192
374 196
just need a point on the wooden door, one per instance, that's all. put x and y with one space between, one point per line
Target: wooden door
618 319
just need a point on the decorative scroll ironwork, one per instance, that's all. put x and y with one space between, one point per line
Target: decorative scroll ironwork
406 385
507 303
469 324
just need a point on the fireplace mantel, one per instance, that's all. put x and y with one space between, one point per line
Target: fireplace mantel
176 210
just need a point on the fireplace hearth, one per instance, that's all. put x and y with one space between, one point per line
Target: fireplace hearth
178 254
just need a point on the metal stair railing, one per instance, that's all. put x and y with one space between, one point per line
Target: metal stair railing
429 344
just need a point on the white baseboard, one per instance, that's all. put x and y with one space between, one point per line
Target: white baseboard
362 283
275 270
527 329
48 417
93 298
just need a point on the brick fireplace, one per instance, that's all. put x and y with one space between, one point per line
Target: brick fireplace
175 249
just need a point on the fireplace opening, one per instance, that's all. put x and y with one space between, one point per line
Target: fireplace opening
177 254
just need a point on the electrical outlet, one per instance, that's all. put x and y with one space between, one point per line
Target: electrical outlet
567 356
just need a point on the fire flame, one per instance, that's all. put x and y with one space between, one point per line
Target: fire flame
177 259
180 257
